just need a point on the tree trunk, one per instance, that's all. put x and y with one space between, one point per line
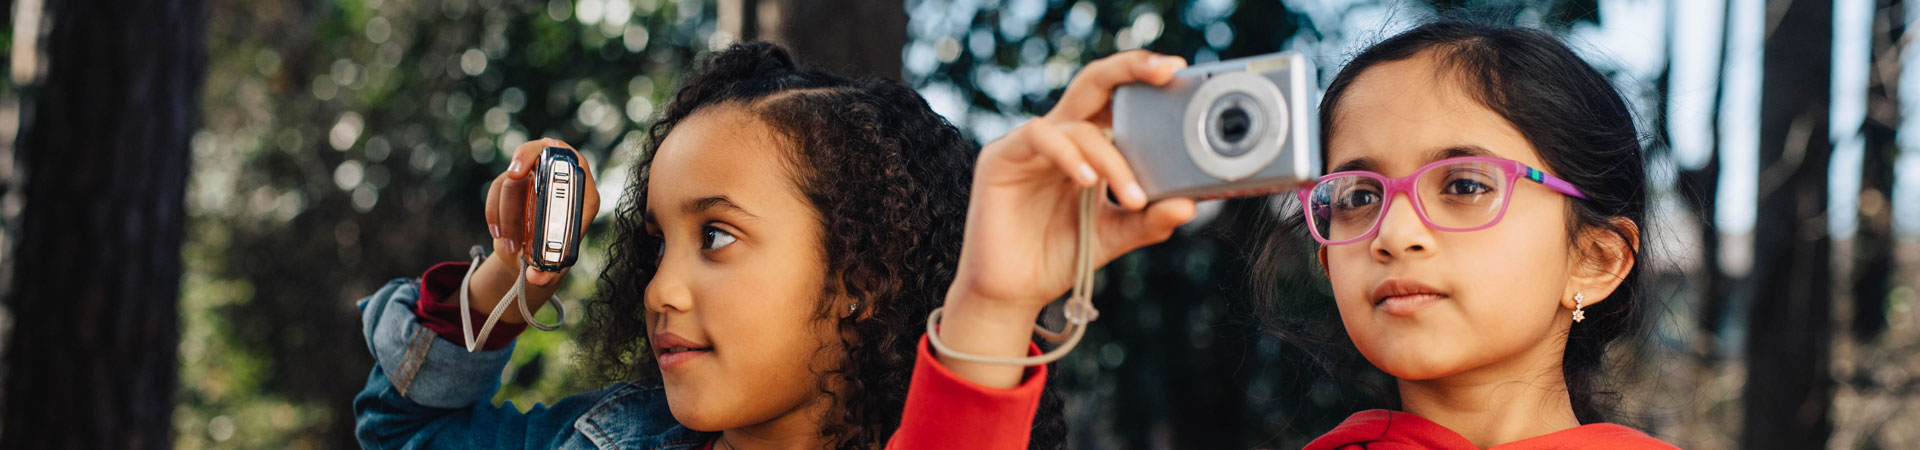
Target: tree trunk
106 99
1701 189
1874 242
847 37
1789 390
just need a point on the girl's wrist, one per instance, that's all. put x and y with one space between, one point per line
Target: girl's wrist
985 327
490 283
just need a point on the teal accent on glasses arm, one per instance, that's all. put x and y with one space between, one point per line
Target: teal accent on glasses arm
1555 183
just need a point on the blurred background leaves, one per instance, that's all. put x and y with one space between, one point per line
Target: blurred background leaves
344 143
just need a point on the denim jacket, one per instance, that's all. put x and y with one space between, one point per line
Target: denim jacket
428 392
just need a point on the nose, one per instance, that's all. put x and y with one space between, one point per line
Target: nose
1401 233
668 290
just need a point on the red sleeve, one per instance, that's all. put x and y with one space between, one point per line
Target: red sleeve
439 308
945 411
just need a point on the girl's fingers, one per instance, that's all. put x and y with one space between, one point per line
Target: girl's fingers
543 279
1056 147
1088 94
513 205
1124 231
493 208
592 193
526 154
1098 149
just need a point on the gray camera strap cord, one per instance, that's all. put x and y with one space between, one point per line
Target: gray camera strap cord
518 292
1079 309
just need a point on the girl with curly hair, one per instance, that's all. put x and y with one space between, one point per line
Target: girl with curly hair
786 234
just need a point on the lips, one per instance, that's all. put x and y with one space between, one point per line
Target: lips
1402 297
671 351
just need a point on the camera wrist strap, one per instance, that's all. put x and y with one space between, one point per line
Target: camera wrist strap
518 292
1079 310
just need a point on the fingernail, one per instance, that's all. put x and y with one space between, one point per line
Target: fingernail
514 167
493 230
1167 61
510 246
1133 190
1085 174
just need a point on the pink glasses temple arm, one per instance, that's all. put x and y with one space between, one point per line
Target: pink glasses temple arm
1555 183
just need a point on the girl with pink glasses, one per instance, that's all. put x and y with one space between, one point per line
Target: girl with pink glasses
1480 225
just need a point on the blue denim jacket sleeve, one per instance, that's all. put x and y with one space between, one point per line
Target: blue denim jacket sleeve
427 392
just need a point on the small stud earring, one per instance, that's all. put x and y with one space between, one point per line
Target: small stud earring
1578 314
851 307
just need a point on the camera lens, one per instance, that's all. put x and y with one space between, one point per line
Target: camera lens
1234 124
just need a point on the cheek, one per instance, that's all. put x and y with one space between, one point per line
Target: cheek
1505 283
760 319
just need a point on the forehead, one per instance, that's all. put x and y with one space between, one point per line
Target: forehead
721 151
1399 115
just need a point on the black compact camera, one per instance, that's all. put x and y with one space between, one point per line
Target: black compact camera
554 209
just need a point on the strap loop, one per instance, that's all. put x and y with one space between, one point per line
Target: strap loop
1079 309
518 292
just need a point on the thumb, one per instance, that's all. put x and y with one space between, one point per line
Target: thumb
1124 231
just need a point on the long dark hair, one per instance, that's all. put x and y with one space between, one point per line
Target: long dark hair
1582 128
890 180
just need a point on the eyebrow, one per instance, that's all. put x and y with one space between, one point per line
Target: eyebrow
710 203
1368 164
701 205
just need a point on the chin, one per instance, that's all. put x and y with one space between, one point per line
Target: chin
1416 371
696 412
1415 362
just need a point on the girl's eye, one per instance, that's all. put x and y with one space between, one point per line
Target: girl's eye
1466 186
714 238
659 248
1357 198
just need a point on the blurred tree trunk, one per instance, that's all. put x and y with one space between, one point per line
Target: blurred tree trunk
1874 242
1789 390
106 101
847 37
1701 189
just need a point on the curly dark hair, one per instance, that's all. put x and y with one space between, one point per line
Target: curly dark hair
1584 132
890 180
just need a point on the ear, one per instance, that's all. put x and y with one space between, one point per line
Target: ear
1323 263
1602 259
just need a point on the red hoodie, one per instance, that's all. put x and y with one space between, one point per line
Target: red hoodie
1379 429
945 411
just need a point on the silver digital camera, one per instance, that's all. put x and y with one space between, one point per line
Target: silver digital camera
554 210
1234 128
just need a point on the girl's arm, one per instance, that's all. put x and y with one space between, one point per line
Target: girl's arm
1022 232
946 411
427 391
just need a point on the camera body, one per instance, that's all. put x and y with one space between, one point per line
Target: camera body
1240 127
553 211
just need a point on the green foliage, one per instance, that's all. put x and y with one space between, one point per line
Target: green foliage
349 142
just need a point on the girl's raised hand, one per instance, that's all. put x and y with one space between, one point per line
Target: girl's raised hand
1023 217
506 222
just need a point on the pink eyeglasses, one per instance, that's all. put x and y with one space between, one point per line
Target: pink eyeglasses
1454 194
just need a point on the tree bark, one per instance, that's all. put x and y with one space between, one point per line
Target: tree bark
94 220
846 37
1874 242
1789 390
